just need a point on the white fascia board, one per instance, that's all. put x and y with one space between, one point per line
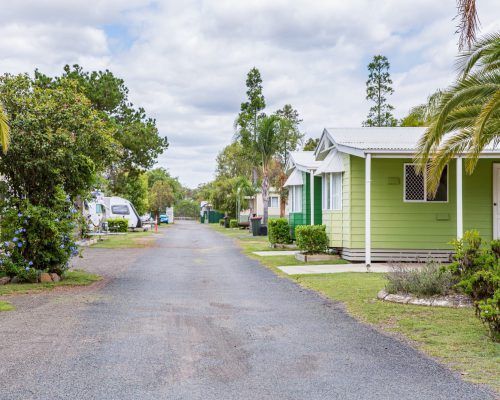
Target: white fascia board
325 135
351 150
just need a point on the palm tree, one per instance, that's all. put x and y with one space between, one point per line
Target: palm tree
467 116
4 130
266 144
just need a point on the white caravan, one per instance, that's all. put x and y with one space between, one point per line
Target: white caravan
100 208
118 207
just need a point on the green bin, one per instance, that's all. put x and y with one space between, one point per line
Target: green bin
255 221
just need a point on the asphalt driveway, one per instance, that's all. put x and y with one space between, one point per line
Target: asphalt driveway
192 318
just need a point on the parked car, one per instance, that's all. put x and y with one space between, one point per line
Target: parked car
163 219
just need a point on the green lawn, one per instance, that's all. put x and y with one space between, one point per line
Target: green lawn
453 336
138 239
249 244
4 306
71 278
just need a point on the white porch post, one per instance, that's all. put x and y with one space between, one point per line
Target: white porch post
311 172
368 239
460 213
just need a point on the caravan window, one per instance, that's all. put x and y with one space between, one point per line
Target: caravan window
121 209
99 209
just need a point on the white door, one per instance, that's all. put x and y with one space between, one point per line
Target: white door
496 201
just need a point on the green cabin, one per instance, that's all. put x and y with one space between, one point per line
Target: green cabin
375 206
304 190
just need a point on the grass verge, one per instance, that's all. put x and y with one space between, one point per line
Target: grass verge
129 239
249 244
5 306
455 337
71 278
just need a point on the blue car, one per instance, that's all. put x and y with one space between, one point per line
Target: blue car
163 219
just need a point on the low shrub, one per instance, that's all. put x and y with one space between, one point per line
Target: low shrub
428 280
233 223
221 222
311 239
117 224
477 267
278 231
489 312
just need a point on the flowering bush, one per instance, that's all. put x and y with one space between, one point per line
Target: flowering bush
36 238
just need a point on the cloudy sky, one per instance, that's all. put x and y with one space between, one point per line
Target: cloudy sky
186 61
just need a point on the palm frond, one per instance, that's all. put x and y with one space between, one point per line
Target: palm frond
4 131
469 21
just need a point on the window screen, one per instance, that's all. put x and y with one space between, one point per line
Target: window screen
415 185
121 209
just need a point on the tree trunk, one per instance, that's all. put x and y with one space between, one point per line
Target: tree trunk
265 197
282 194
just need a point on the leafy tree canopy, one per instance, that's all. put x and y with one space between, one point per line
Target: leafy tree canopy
289 137
58 139
311 144
233 161
137 135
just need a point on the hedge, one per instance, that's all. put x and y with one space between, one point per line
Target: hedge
117 224
311 239
233 223
278 231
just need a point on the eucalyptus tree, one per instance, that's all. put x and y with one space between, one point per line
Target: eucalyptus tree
378 87
250 112
467 117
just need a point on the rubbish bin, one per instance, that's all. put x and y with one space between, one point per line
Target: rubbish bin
226 222
255 221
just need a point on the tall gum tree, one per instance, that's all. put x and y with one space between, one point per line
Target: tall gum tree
378 87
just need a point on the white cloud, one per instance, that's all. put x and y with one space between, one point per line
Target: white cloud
186 62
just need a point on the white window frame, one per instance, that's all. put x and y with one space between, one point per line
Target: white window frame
337 194
426 200
328 192
295 200
270 202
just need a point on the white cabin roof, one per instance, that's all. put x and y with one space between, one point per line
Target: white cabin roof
359 141
302 160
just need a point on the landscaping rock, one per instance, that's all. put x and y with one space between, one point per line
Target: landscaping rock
14 280
45 277
4 280
397 298
420 302
453 301
55 277
441 302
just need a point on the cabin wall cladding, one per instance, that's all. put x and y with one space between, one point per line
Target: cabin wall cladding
338 223
303 217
